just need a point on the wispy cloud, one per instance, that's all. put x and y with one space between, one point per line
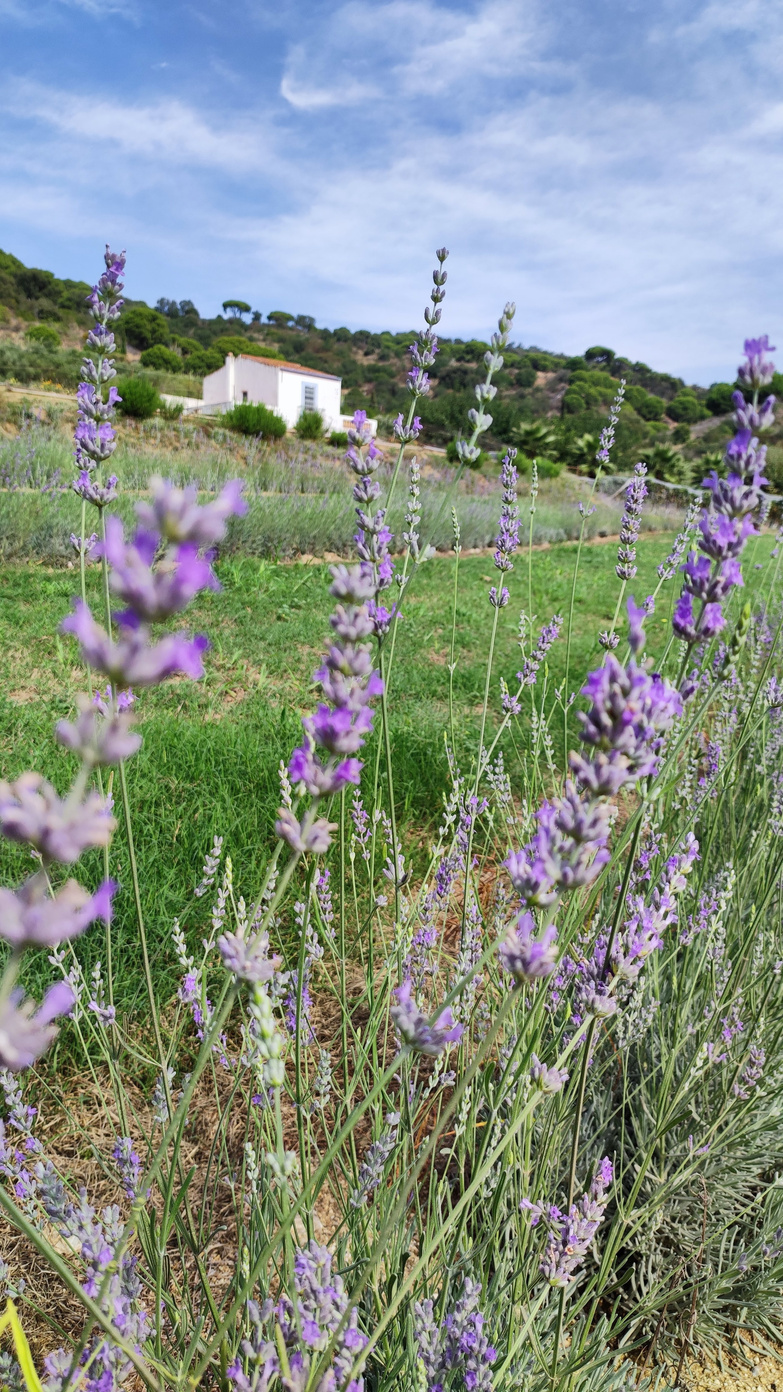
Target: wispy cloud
623 184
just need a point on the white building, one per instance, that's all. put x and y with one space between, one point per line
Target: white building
287 388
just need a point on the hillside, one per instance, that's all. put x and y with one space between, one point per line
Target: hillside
548 403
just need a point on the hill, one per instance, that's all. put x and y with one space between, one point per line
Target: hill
550 404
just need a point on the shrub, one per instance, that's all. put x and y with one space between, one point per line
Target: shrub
686 407
339 438
203 361
547 468
144 327
718 398
573 402
162 359
310 425
666 463
599 355
43 333
139 398
248 419
650 408
681 434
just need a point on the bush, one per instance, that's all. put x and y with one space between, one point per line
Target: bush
686 407
650 408
681 434
144 327
599 355
162 359
247 419
339 438
310 426
573 402
140 398
203 361
43 333
547 468
718 399
230 343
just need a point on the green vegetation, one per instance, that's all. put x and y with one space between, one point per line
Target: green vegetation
139 398
310 425
255 420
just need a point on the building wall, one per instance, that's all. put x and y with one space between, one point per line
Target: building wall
292 397
277 387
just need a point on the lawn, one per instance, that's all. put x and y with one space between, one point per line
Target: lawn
209 762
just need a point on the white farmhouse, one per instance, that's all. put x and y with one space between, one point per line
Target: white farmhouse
287 388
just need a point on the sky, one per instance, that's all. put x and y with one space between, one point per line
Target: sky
614 167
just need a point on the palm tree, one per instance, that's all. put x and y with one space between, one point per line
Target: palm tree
666 463
536 438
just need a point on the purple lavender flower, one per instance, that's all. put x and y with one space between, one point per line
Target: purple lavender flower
549 1080
30 915
414 1028
307 1329
756 371
128 1165
153 594
636 617
630 712
26 1033
607 434
61 829
635 495
507 539
458 1345
134 660
98 736
249 960
175 513
375 1161
571 1235
548 635
525 956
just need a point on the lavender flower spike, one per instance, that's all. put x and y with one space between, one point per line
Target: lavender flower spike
31 811
414 1029
507 538
635 495
525 956
175 512
25 1033
571 1235
134 660
30 915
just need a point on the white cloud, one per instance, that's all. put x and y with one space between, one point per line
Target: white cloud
648 219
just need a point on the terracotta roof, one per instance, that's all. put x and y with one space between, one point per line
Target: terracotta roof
292 367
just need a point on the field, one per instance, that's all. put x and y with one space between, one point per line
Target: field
432 1042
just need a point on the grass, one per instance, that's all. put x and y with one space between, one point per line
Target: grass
211 749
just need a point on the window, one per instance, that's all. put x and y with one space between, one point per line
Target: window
309 396
244 397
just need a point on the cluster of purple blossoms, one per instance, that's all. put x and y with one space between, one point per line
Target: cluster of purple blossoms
375 1161
424 351
630 712
415 1030
306 1332
570 1235
507 539
94 437
326 761
155 576
601 980
607 434
457 1346
635 494
110 1275
727 522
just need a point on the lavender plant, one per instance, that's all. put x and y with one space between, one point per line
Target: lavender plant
497 1110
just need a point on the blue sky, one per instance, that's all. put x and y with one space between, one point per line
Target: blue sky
614 166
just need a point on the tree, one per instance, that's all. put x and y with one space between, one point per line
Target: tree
718 399
535 437
256 316
280 318
686 407
599 355
161 359
145 327
168 307
236 308
305 322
